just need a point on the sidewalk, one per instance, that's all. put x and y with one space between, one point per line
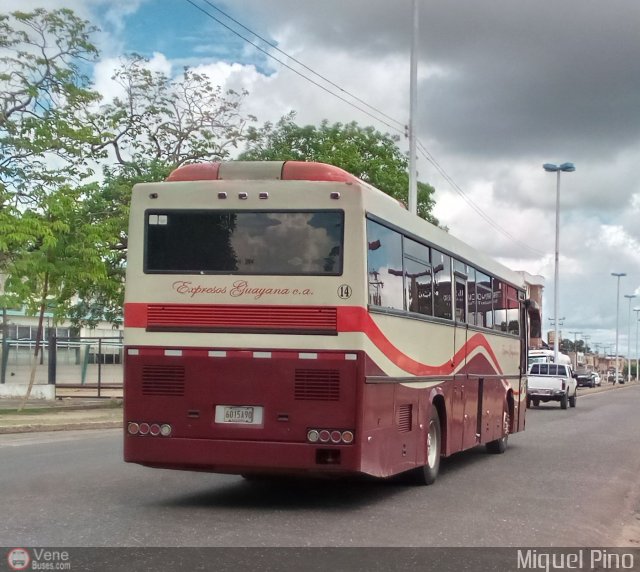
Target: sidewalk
59 415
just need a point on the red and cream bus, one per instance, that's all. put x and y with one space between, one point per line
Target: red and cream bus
288 318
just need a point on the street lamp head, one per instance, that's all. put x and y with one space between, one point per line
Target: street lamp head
630 296
618 274
565 167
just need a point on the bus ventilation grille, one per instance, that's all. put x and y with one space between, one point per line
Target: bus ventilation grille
163 380
242 318
403 417
317 385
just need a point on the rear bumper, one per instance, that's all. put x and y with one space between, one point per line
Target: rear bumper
240 457
546 395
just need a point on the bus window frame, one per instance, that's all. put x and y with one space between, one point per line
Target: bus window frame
156 210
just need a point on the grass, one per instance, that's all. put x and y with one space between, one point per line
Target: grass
26 411
106 404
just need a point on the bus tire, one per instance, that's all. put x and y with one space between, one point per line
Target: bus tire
427 474
499 446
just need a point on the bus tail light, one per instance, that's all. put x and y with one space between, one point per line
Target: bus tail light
335 436
347 437
153 429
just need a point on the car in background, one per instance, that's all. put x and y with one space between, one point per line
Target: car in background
587 379
613 379
597 378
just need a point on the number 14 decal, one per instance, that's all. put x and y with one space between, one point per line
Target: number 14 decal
344 291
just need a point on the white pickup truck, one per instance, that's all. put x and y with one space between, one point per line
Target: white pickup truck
551 382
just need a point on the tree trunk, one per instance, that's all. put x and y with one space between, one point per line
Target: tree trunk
38 347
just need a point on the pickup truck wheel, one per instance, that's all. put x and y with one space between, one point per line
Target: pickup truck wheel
528 403
564 401
426 475
536 402
573 399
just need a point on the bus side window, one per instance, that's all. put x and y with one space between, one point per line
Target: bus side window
499 305
460 290
417 277
484 297
513 311
471 297
443 294
384 267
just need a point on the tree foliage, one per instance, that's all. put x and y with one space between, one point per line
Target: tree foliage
43 94
364 152
160 120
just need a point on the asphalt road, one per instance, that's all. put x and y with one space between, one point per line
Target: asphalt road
571 479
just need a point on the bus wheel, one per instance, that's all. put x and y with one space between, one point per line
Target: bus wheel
426 475
499 446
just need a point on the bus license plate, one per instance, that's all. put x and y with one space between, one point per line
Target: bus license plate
243 415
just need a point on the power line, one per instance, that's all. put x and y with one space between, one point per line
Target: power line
392 127
425 153
275 47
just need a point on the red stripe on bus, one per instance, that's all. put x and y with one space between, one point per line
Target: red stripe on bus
357 319
135 315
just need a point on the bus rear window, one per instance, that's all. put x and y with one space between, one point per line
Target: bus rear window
244 242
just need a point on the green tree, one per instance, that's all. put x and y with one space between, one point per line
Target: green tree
364 152
58 257
43 140
156 124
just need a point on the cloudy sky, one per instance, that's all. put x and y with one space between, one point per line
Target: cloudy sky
504 86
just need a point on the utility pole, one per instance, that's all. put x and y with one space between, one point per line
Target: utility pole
413 103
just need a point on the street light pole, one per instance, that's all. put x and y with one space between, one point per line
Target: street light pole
618 275
630 297
551 168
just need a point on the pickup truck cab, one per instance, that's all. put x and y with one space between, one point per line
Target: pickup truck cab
551 382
